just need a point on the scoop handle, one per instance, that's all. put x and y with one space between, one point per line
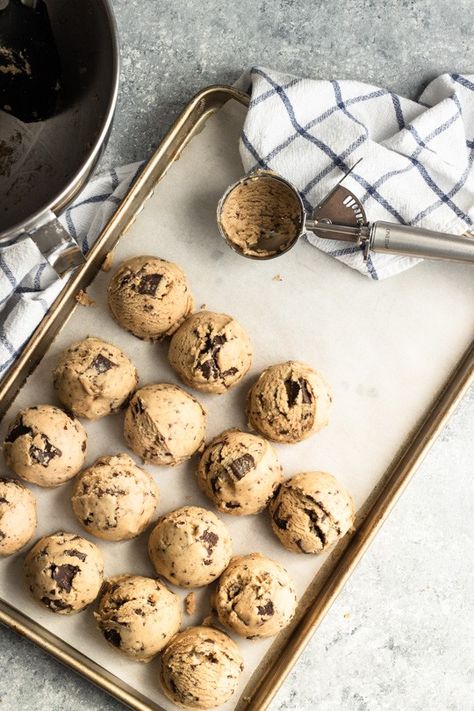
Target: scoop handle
391 238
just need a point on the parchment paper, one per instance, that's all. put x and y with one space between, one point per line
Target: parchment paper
385 348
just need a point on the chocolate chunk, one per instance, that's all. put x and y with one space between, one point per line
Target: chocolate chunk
137 407
45 454
112 636
281 523
17 431
139 611
2 535
232 505
64 575
76 554
55 605
266 610
315 527
242 465
209 369
233 591
210 539
3 500
102 364
230 371
149 284
292 391
306 393
218 341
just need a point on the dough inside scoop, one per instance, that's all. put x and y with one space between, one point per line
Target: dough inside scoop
261 217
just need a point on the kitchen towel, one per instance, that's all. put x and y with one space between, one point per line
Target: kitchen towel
417 163
28 285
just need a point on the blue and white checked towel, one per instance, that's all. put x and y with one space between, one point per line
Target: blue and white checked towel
418 156
417 169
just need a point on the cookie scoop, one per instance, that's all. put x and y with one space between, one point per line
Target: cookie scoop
94 378
289 402
255 596
64 572
114 499
200 668
311 512
149 297
190 547
137 615
45 446
210 352
17 516
164 424
239 472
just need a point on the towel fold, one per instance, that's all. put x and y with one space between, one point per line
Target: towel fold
418 156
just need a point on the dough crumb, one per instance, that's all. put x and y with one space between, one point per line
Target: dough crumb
277 277
84 299
107 263
203 306
347 615
190 603
208 621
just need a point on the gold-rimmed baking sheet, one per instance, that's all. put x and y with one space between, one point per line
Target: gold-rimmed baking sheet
387 349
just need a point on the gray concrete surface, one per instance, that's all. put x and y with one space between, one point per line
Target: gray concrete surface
401 634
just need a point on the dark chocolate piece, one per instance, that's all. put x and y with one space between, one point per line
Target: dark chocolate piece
242 465
293 388
266 610
45 454
18 430
64 575
55 605
148 284
76 554
112 636
102 364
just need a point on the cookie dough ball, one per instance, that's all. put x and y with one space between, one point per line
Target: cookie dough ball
45 446
64 572
164 424
94 378
114 499
210 352
190 547
289 402
239 472
200 668
149 297
17 516
310 512
255 596
138 615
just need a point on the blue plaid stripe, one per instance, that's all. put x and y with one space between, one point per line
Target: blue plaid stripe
337 160
466 83
338 149
7 271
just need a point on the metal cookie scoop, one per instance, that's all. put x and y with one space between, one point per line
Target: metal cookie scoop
262 216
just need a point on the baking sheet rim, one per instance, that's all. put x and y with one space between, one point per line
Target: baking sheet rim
259 693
